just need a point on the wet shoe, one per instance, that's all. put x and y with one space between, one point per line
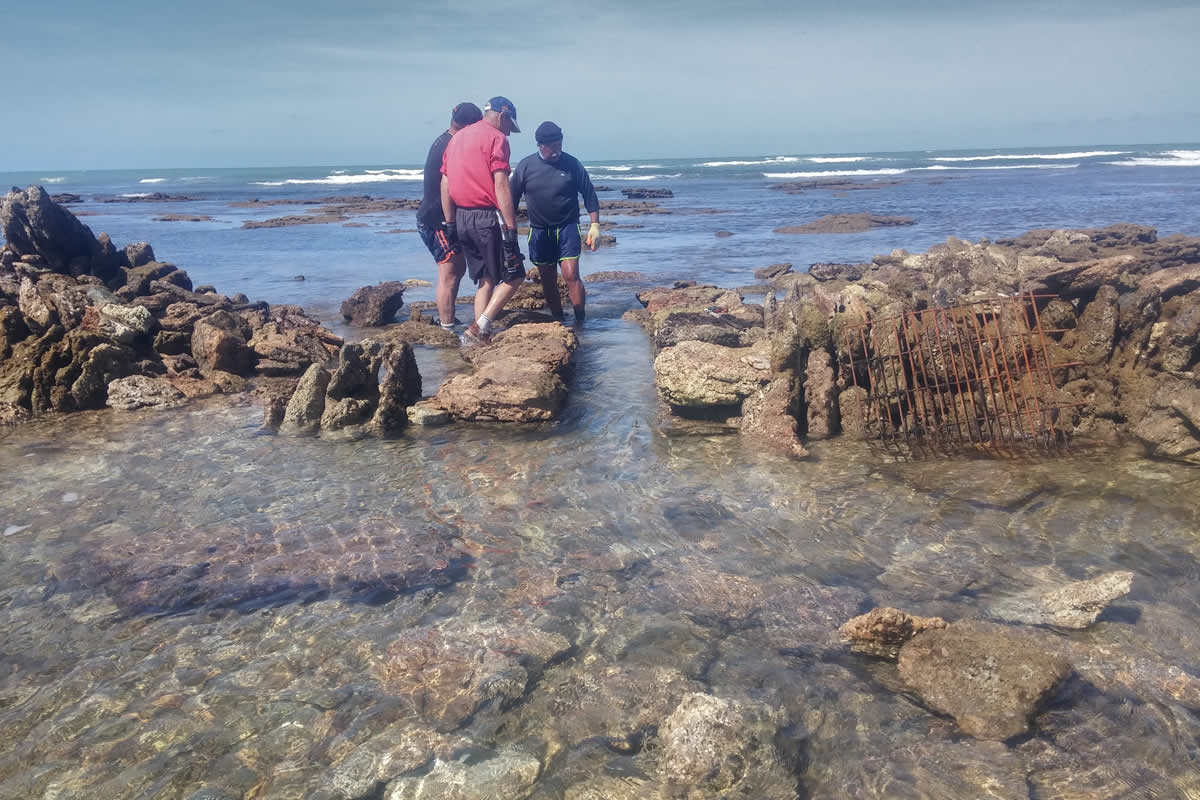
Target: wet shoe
473 337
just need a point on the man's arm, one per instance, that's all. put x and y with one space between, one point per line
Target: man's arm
447 203
504 198
590 201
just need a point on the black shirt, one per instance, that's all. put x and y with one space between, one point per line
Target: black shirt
430 213
552 190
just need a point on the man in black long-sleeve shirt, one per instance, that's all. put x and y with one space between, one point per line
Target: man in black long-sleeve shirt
552 182
450 263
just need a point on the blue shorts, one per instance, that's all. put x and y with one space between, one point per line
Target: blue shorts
552 245
435 240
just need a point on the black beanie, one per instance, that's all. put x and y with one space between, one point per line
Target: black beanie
547 132
466 114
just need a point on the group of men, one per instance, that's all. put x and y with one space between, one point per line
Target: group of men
468 214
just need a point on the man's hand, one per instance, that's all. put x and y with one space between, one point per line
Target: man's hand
448 238
593 236
514 262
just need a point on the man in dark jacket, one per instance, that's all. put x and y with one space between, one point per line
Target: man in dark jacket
552 182
450 263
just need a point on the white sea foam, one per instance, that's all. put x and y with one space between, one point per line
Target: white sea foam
56 179
836 173
341 179
1033 156
648 166
136 194
1012 166
614 168
837 159
634 177
153 180
772 160
1176 158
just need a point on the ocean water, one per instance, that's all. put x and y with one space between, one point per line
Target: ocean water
192 607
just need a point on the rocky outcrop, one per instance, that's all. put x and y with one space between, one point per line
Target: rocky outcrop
846 223
990 678
520 377
369 390
1124 333
84 325
642 193
372 306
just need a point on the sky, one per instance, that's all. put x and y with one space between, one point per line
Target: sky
144 84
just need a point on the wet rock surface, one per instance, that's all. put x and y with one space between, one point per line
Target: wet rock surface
372 306
990 678
883 631
846 223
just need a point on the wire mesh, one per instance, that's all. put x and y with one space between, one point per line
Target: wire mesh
973 375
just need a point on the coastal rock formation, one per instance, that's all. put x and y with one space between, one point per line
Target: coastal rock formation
1123 332
517 378
353 397
991 678
372 306
846 223
84 324
644 193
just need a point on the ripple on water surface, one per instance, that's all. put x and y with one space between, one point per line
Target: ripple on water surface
188 604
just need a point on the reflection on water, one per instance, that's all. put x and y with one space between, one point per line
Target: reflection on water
190 604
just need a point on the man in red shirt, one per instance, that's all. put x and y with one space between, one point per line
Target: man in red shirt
476 199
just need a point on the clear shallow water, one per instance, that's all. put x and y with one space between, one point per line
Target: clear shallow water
187 603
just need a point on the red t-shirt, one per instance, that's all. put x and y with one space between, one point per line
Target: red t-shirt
471 158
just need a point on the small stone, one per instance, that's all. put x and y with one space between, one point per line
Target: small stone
882 631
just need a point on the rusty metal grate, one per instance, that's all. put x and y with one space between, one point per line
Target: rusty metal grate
972 375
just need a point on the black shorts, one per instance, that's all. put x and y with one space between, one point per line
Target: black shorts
435 240
482 243
552 245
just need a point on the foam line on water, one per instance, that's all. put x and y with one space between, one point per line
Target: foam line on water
1032 156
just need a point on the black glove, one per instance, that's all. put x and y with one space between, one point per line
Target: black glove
514 262
448 238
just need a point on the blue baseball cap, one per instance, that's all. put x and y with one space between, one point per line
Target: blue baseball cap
502 105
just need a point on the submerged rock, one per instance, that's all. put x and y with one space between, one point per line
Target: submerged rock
139 391
701 375
846 223
991 678
1076 605
715 745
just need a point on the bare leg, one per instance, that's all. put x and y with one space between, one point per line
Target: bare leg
483 294
450 274
500 296
575 289
549 275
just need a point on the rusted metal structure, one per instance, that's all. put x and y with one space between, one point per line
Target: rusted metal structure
972 375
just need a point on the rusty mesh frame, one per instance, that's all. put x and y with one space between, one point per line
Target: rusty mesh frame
973 375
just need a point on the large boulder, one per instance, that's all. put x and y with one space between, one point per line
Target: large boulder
990 678
1170 427
33 224
219 343
289 343
699 375
376 305
517 378
307 404
140 391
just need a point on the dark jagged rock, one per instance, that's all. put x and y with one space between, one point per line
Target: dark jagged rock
645 193
372 306
833 272
33 224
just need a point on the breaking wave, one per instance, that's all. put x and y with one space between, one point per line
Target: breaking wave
56 179
1011 166
772 160
153 180
1031 156
836 173
634 177
837 159
1175 158
340 178
136 194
